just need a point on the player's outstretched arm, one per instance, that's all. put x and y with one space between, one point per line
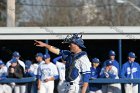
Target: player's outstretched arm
49 47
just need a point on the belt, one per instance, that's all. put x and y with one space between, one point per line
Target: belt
71 83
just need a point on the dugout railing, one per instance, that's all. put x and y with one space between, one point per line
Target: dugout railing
121 81
99 80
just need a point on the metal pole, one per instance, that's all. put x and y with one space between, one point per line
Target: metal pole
120 56
47 41
120 53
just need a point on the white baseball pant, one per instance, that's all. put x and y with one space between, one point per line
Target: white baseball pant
5 88
130 88
47 87
98 91
20 89
73 88
61 87
111 88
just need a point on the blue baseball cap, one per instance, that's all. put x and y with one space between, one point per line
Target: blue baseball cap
132 55
1 62
13 60
39 55
79 42
95 60
16 54
112 53
109 63
28 63
46 56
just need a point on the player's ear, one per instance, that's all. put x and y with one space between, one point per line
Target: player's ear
128 57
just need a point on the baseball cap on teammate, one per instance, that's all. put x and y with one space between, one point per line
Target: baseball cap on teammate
1 62
132 55
95 60
46 56
13 60
16 54
74 38
112 53
28 63
109 63
39 55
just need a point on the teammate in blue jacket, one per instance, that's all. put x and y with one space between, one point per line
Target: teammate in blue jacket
131 69
112 55
95 71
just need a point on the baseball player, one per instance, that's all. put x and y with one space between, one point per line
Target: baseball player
77 63
112 58
47 73
95 72
110 71
39 59
29 73
17 56
131 69
3 70
4 88
15 70
34 67
61 71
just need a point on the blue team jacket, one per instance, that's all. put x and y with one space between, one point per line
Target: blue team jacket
95 74
130 70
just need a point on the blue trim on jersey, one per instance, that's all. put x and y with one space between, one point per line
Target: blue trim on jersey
38 76
86 77
3 76
56 77
87 72
56 59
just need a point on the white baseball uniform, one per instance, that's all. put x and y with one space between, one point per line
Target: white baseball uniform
82 64
3 71
61 71
34 68
4 88
46 71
